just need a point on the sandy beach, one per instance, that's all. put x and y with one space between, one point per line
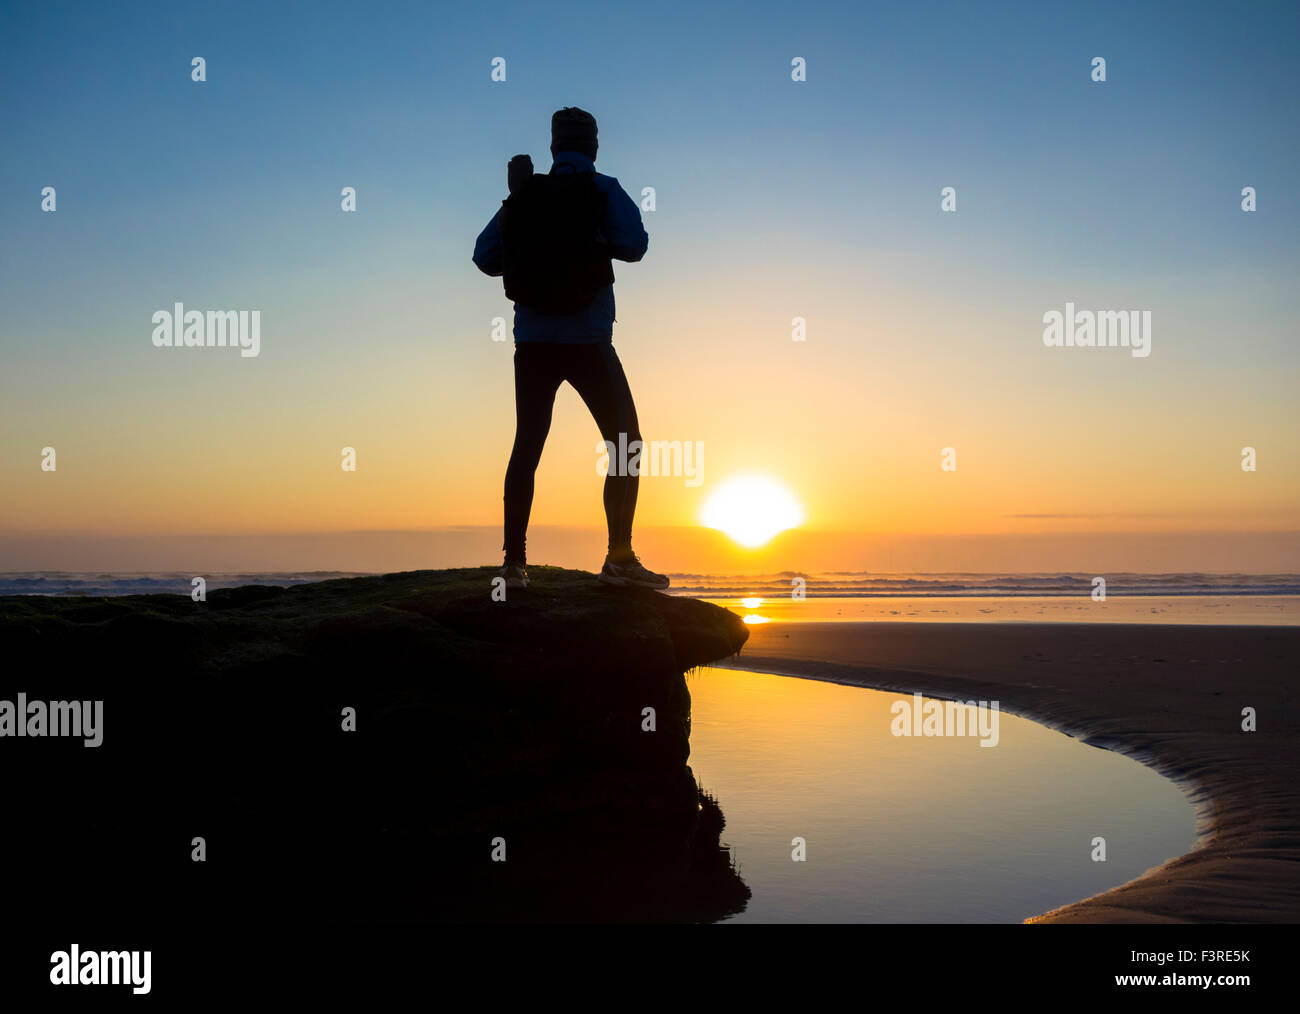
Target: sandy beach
1169 696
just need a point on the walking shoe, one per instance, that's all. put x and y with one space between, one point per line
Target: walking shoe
515 575
630 572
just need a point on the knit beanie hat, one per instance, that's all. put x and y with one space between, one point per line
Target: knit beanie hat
573 129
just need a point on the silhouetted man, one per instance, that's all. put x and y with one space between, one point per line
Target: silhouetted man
553 240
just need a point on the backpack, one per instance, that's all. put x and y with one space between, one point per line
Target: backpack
553 259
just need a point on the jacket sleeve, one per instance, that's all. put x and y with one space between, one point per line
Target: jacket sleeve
487 249
622 227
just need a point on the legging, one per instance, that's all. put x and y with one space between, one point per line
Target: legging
597 375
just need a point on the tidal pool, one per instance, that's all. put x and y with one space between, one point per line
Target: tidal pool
915 828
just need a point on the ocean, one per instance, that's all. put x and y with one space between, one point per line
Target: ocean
852 596
782 585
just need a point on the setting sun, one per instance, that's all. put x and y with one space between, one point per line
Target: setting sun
751 509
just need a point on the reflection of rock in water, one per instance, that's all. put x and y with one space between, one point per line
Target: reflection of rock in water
717 882
580 870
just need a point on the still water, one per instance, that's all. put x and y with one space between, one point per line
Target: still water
915 829
1239 610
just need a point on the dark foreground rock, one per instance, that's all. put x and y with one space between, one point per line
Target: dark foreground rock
519 722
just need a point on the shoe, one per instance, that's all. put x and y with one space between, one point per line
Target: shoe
515 575
630 572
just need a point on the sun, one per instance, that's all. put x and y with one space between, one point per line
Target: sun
751 509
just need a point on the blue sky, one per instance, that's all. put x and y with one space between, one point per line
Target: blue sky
696 99
774 198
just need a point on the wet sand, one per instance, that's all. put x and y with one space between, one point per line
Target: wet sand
1169 696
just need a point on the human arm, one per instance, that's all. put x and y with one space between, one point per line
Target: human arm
622 229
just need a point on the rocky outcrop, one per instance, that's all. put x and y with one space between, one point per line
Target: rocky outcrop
523 722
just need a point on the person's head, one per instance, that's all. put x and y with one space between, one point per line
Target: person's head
573 129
